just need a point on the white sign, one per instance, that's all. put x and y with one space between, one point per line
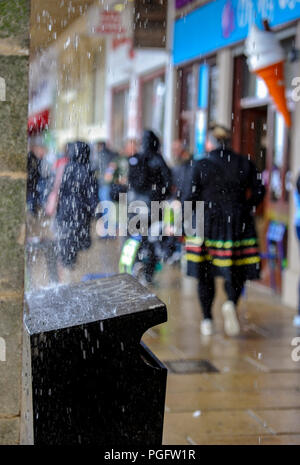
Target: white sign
103 23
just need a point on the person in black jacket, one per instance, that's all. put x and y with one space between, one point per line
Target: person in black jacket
38 176
76 204
149 179
149 176
182 171
229 247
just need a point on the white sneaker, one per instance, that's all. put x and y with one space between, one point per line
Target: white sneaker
231 323
206 327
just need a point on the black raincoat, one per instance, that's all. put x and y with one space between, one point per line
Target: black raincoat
149 177
230 186
77 202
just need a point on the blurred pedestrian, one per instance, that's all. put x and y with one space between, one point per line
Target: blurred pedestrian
38 175
117 171
229 247
149 179
77 199
182 171
58 168
101 161
297 226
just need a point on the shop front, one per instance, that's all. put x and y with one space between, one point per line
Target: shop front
260 132
215 85
197 91
136 84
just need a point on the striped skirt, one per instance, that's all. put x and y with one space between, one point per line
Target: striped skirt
230 245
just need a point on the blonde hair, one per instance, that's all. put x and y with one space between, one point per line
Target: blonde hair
219 135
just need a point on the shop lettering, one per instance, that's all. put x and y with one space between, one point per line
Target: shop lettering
296 90
296 352
2 350
248 9
291 4
2 89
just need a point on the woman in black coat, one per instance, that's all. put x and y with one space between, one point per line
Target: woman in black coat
76 204
230 187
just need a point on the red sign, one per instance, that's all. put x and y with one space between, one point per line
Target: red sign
110 23
38 122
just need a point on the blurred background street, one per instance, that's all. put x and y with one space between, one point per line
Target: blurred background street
135 97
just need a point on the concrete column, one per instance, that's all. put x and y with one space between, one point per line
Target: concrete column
107 132
133 129
225 64
170 98
13 149
292 273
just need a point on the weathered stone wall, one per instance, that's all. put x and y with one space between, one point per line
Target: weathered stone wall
14 39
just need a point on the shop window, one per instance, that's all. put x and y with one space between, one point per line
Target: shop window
289 67
198 104
280 182
187 80
279 140
119 123
153 105
213 93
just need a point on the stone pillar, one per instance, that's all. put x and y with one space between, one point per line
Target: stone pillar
225 64
14 33
170 99
292 273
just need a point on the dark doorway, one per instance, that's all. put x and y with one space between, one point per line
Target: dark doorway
254 135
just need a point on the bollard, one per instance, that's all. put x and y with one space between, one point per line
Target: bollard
93 381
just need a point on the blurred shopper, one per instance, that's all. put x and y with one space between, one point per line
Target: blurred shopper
39 175
117 172
149 179
102 158
58 168
182 171
76 203
297 226
230 246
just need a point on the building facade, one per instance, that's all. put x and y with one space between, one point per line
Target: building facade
213 83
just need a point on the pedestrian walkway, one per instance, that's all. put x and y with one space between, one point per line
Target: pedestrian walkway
249 389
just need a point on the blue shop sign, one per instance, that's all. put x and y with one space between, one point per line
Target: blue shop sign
224 22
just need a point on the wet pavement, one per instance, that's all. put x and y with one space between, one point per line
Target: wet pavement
242 390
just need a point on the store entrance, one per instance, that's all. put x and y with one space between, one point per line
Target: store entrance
254 135
254 140
264 138
254 144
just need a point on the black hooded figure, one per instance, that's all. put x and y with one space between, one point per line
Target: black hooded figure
77 202
149 177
